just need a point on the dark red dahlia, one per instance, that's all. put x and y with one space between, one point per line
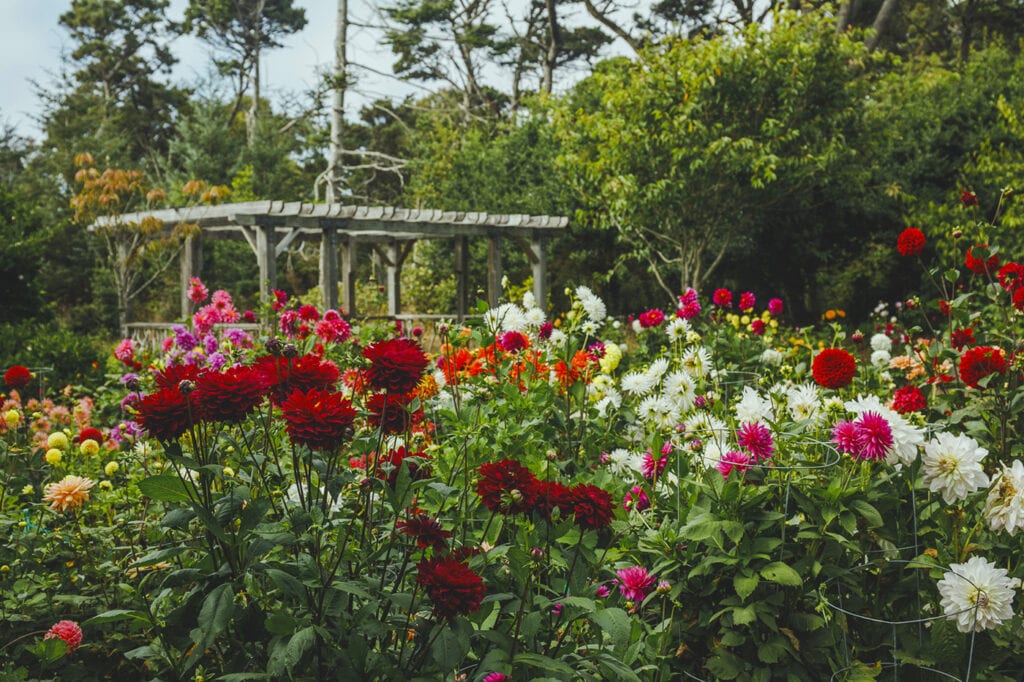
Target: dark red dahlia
968 198
282 375
396 365
980 362
318 419
833 368
513 341
758 327
1011 276
390 464
1018 299
426 530
552 494
910 242
89 433
961 338
909 399
309 313
453 587
166 414
592 506
230 395
17 376
172 376
507 487
980 266
747 301
391 413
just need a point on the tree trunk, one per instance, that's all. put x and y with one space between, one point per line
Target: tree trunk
553 47
250 123
336 159
881 23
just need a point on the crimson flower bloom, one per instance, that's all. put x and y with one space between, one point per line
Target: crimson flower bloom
390 464
758 327
910 242
833 368
980 266
747 301
390 413
513 341
453 587
552 494
592 506
874 436
67 630
426 530
775 307
90 433
651 318
230 395
722 298
740 461
282 376
318 419
635 582
961 338
17 376
909 399
507 487
651 468
1011 276
396 365
166 414
636 499
980 362
968 198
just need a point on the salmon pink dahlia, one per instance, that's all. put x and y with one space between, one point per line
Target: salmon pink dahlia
910 242
833 368
67 630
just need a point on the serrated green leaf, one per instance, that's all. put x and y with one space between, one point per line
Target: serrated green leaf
781 573
745 585
167 489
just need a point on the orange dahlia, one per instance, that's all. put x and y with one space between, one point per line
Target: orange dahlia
71 492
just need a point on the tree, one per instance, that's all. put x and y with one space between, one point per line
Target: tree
242 29
693 142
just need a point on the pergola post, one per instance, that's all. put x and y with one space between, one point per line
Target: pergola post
191 262
393 265
266 257
329 267
539 263
461 277
348 275
494 272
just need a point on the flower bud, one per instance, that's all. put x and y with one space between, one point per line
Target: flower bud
274 346
290 351
185 387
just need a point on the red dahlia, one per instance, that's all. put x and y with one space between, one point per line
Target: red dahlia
552 494
172 376
910 242
396 365
453 587
978 265
166 414
318 419
1011 276
284 375
980 362
722 298
507 487
17 376
67 630
1018 299
962 337
592 506
89 433
391 413
513 341
833 368
968 198
426 530
747 301
651 318
909 399
390 464
230 395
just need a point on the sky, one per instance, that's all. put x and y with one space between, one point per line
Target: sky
32 41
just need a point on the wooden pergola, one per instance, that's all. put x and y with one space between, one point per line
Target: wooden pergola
270 227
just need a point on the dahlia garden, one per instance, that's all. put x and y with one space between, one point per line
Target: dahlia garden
699 492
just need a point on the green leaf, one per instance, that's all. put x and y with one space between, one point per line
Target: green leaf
744 615
167 489
301 642
214 616
724 665
745 585
449 648
115 615
781 573
544 663
616 623
868 512
287 583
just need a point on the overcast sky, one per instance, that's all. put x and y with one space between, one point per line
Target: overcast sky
31 43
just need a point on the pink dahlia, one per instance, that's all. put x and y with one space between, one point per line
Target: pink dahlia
67 630
733 460
756 439
874 436
635 582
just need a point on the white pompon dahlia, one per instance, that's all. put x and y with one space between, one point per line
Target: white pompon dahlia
952 466
977 595
1004 506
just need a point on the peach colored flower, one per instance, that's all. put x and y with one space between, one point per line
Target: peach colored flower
68 493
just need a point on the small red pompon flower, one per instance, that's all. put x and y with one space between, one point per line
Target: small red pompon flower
592 506
968 198
282 376
391 414
635 582
1018 299
231 395
453 587
507 487
166 414
980 266
395 365
722 298
758 327
17 376
980 362
944 307
318 419
961 338
755 438
747 301
910 242
90 433
651 318
1011 276
67 630
833 368
909 399
513 341
426 530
